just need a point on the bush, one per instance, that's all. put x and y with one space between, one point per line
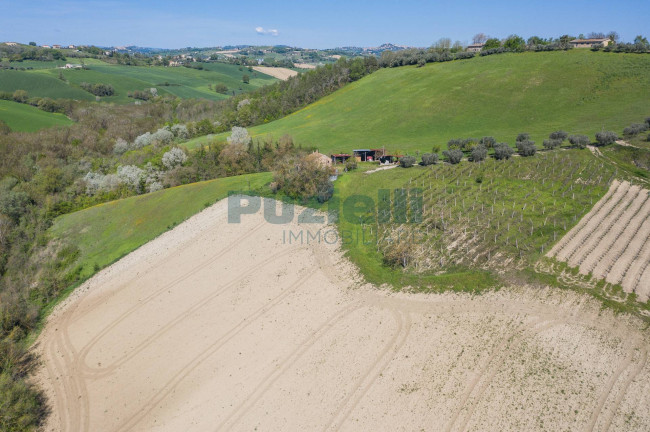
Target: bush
488 142
647 121
4 128
526 148
502 151
303 177
407 161
479 153
635 129
559 135
221 88
552 143
21 404
351 164
453 156
579 141
523 137
429 159
606 138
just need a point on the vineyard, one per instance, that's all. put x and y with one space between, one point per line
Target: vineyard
493 215
613 240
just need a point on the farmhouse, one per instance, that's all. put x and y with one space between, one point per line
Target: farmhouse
339 157
589 43
475 47
56 46
363 155
72 66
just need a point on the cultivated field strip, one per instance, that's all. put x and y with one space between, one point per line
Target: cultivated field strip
277 336
613 240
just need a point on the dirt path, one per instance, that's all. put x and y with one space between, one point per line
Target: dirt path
381 168
217 326
276 72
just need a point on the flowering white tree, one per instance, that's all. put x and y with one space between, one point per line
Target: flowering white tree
131 176
174 158
120 147
180 131
239 136
162 136
142 141
242 103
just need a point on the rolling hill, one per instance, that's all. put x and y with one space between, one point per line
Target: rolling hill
178 81
409 108
26 118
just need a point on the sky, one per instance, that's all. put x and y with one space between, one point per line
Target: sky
308 24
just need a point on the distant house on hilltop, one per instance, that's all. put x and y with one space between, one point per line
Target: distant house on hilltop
589 43
56 46
475 47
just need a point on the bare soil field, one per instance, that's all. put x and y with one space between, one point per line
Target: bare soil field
613 240
232 327
276 72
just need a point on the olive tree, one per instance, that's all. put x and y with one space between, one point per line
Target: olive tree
487 142
579 141
559 135
523 137
429 159
606 138
526 148
552 143
407 161
453 156
479 153
503 151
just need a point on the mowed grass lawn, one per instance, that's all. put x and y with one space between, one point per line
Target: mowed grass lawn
409 108
109 231
26 118
182 82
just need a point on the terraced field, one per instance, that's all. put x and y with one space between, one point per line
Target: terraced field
613 240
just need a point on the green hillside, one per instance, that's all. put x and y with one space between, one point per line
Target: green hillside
107 232
40 83
411 108
178 81
26 118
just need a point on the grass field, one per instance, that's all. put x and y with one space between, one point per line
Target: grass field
26 118
409 108
107 232
182 82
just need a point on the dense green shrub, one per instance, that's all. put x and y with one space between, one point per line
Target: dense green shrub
98 89
350 164
559 135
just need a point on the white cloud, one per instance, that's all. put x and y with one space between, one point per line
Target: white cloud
269 32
